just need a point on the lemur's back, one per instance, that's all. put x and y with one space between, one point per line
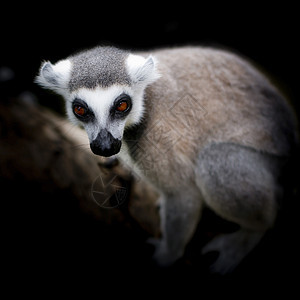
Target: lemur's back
214 96
207 96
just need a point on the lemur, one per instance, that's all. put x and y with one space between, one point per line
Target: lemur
214 131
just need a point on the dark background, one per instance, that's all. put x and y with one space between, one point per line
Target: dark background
267 35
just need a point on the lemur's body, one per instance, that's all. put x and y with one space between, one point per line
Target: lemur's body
201 125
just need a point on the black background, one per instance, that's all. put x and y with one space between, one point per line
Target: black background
267 35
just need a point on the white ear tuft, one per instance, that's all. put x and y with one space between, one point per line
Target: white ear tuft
142 70
54 77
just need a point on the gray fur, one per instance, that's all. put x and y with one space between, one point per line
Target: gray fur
233 154
214 132
100 66
228 172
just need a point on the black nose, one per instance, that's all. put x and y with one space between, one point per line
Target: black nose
105 144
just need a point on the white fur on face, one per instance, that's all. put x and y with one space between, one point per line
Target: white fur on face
100 101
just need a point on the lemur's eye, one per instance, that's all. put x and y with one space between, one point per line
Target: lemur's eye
122 106
79 110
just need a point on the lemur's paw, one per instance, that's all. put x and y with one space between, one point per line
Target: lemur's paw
230 253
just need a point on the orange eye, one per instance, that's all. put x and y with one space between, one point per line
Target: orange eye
79 110
122 106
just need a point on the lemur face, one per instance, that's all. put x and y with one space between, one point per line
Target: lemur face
103 89
104 113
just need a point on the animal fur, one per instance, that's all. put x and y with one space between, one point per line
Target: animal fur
205 128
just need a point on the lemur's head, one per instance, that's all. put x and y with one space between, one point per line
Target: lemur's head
103 88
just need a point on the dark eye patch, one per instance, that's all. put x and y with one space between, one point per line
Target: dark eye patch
81 110
121 107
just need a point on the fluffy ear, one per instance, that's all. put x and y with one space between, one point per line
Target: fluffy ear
142 70
54 77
